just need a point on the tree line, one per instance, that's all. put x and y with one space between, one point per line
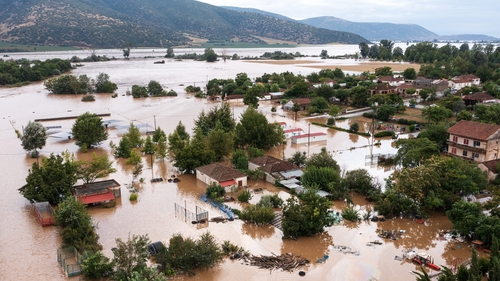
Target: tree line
25 71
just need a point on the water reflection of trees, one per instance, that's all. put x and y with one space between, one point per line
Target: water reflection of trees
312 248
257 231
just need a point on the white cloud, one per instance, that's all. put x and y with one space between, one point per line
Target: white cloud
443 17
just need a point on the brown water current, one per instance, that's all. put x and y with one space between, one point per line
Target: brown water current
28 251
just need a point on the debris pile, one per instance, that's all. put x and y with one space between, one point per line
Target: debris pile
390 234
345 250
286 262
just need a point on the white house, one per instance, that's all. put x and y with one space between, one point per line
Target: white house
292 132
225 176
458 82
305 138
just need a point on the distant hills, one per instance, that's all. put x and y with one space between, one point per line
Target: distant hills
152 23
376 31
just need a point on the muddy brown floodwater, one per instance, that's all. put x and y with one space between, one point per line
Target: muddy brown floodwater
28 251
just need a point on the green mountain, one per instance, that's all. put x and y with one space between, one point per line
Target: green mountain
112 23
374 30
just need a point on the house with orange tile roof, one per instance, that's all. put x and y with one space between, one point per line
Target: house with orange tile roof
474 141
274 168
458 82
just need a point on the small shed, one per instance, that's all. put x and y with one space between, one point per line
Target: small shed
97 192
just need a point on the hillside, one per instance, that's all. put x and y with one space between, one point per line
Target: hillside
374 30
112 23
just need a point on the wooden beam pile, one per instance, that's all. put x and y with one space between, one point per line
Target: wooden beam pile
287 262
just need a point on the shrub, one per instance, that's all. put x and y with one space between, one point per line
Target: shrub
171 93
257 214
351 215
384 134
115 95
273 201
354 127
88 98
330 121
215 191
96 265
192 89
406 121
133 196
198 94
273 109
245 196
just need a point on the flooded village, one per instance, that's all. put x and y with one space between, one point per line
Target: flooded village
378 249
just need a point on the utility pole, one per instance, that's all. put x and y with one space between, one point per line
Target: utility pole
154 116
308 139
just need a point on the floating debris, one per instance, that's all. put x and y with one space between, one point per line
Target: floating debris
373 243
286 262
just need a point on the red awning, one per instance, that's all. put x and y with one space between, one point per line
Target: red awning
227 183
97 198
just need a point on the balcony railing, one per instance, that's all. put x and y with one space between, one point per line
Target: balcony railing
467 147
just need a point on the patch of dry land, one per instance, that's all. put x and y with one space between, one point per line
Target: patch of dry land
345 65
285 62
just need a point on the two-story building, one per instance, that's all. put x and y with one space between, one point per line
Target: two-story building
474 141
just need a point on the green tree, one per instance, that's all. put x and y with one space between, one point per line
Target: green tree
149 148
50 181
453 103
465 216
186 254
436 133
412 152
354 127
130 256
253 94
322 159
236 157
320 103
334 110
33 138
464 115
488 113
158 134
245 196
255 130
210 55
95 265
324 54
194 154
134 158
149 274
359 96
103 84
410 73
126 50
161 148
306 217
436 113
385 111
178 139
124 148
134 136
170 53
360 181
207 121
364 49
139 91
220 142
383 71
78 228
155 89
88 130
424 94
321 177
298 158
295 108
99 167
257 214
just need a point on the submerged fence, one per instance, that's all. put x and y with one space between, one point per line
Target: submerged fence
70 260
186 215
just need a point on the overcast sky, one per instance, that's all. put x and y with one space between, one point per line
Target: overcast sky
444 17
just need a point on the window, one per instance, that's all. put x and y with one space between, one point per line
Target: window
464 153
466 141
453 150
475 155
477 143
455 139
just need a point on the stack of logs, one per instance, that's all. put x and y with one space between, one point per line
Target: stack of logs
287 262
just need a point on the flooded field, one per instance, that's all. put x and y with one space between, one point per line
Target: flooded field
28 251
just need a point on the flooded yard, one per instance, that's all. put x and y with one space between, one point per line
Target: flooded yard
28 251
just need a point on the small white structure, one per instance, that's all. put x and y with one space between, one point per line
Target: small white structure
283 125
305 138
292 132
